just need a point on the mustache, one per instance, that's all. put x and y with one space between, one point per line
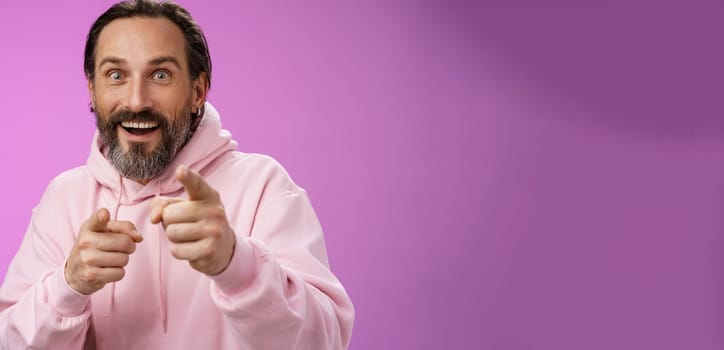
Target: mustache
142 116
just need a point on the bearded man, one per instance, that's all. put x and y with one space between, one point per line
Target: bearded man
168 238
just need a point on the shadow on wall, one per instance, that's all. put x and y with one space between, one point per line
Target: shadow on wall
639 67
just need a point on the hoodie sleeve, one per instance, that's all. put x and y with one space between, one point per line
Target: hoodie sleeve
278 291
38 309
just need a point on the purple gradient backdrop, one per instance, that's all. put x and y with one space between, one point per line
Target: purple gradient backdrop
490 175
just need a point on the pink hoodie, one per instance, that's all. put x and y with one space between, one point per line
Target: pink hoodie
277 293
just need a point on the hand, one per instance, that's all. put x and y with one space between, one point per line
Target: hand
100 252
197 228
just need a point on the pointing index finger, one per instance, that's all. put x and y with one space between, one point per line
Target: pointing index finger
194 184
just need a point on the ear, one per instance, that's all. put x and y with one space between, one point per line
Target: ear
91 92
200 89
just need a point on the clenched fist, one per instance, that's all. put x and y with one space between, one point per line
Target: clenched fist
197 228
100 252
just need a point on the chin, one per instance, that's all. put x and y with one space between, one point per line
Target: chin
148 147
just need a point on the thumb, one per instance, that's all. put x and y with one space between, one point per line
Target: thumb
158 204
98 221
195 186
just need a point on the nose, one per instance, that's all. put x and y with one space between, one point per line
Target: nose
137 98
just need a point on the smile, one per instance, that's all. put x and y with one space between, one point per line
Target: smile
139 128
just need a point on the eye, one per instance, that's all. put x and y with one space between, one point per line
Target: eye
115 75
161 75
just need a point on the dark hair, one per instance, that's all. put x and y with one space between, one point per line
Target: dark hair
197 50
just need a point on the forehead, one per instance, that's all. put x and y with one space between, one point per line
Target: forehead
140 39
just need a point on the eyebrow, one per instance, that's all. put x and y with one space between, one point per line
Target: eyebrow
163 59
154 62
111 60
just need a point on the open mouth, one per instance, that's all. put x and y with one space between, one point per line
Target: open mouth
139 128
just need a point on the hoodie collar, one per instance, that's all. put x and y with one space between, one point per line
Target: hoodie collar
208 142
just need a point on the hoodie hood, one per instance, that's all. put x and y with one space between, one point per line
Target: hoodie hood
208 142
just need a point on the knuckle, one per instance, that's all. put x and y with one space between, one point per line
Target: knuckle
175 251
117 275
171 232
84 243
219 212
198 264
214 194
207 248
87 259
89 275
212 229
128 245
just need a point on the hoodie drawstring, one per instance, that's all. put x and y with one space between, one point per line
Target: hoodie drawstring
161 282
115 217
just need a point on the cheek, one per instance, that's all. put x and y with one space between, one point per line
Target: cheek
104 99
173 98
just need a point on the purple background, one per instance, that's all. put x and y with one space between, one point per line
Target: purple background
490 175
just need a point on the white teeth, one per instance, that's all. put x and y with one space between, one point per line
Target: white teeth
139 125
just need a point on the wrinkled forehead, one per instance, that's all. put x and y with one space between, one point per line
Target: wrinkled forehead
137 41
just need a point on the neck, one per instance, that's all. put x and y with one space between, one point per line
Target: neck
142 181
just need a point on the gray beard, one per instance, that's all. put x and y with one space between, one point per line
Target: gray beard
137 163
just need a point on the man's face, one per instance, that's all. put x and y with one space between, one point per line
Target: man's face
143 95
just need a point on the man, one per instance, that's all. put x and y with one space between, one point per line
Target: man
168 238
